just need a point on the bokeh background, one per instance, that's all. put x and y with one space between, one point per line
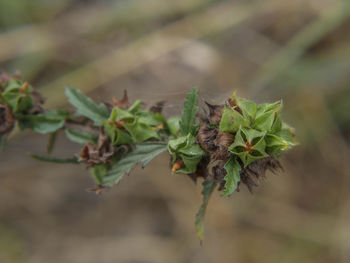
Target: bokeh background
266 50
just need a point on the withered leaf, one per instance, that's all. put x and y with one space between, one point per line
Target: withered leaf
158 107
92 154
123 103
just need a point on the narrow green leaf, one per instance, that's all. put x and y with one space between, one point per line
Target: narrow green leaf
187 122
208 188
51 143
73 160
86 107
80 136
143 153
232 177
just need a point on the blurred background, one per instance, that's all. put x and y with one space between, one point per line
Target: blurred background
157 50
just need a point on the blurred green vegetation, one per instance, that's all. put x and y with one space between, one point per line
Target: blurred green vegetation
266 50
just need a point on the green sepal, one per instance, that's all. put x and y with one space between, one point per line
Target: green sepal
17 98
116 135
280 142
141 132
247 107
151 119
173 124
186 149
135 107
267 114
255 151
231 120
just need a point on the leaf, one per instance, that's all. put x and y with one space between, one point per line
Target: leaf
73 160
232 177
143 153
187 122
208 188
86 107
80 136
151 156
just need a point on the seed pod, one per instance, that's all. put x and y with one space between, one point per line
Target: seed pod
7 120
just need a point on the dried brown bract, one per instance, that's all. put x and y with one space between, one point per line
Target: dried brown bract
92 154
215 112
256 171
206 137
158 107
7 120
122 103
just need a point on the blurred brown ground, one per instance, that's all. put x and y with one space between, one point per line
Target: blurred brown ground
295 50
